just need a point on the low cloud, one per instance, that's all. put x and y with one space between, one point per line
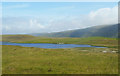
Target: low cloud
104 16
60 23
35 24
23 25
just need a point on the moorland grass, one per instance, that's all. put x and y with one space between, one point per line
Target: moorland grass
30 60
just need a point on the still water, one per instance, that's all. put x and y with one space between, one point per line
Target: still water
47 45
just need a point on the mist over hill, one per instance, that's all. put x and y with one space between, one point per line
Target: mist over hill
95 31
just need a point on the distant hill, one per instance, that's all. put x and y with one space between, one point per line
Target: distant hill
95 31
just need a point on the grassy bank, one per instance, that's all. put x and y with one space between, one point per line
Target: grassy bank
96 41
29 60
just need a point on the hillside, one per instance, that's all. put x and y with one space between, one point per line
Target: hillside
18 38
95 31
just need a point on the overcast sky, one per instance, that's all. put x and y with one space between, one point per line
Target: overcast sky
39 17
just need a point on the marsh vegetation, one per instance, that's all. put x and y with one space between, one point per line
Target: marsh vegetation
31 60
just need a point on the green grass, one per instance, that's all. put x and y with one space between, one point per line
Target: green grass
17 38
29 60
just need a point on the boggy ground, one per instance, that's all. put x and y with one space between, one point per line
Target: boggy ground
30 60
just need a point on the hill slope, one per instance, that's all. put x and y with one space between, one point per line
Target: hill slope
103 31
17 38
